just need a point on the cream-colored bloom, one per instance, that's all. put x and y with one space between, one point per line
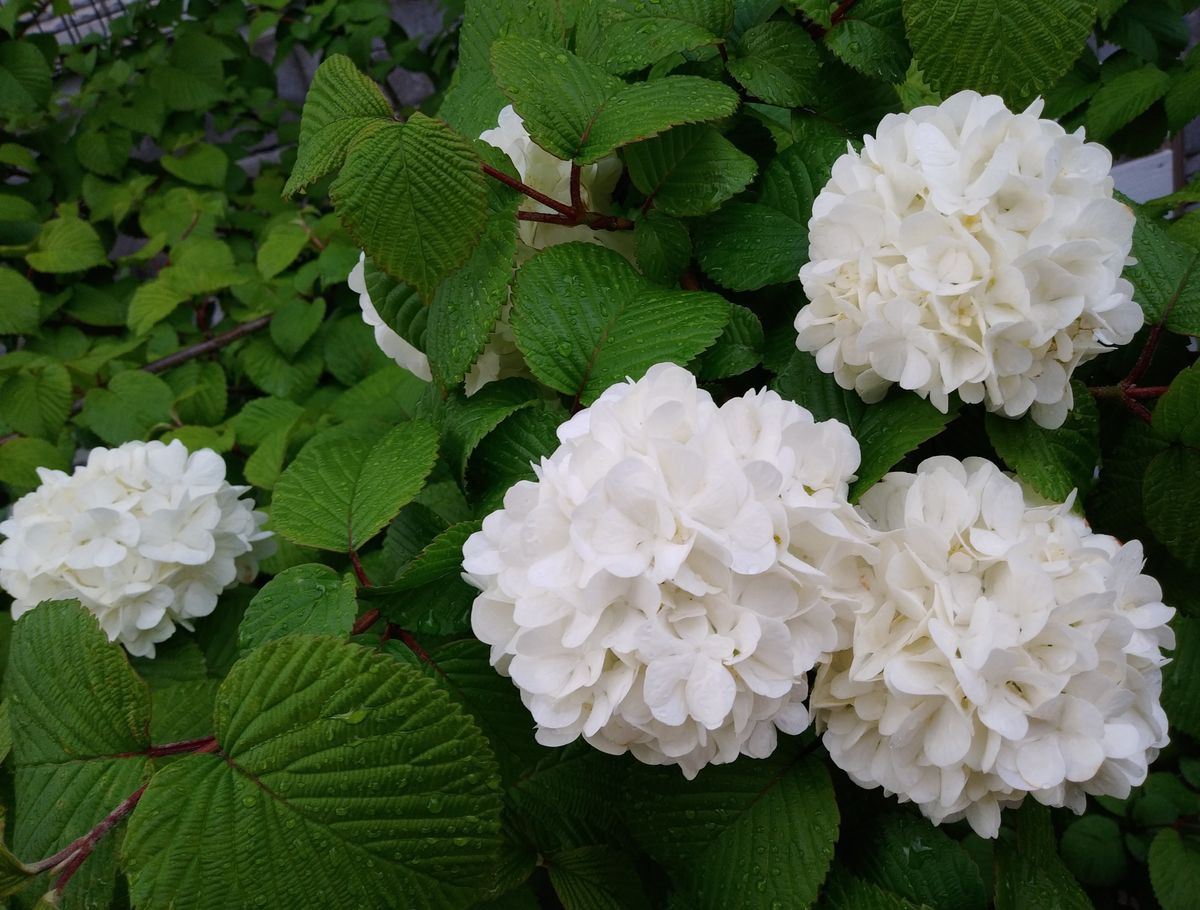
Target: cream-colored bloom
144 535
968 249
498 360
675 571
539 169
1005 651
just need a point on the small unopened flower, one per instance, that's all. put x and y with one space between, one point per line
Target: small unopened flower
1004 651
675 571
145 536
968 249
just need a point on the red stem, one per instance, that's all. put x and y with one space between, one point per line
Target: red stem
591 219
365 622
548 201
81 848
577 189
1147 391
358 569
203 744
840 13
566 215
407 637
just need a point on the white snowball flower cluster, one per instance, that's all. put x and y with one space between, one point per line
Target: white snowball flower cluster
1006 651
675 571
968 249
144 535
542 171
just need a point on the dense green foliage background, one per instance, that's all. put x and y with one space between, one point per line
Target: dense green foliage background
154 286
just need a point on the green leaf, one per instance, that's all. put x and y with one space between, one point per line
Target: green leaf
1181 677
1183 99
911 857
181 691
1177 414
279 249
1014 48
1175 869
14 874
153 302
398 304
133 403
412 195
870 38
847 892
343 488
577 111
1053 462
193 76
429 596
1029 875
67 244
725 834
746 246
507 454
1121 100
202 164
278 374
201 392
310 599
689 170
464 310
585 320
806 384
345 759
1172 502
663 247
778 63
495 703
20 311
200 265
25 78
628 35
739 348
103 151
469 420
20 459
341 107
37 401
595 878
78 710
890 430
295 322
1094 851
1166 279
474 100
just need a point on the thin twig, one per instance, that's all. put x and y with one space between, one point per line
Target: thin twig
182 356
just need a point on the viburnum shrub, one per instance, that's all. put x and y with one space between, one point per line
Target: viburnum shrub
715 453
